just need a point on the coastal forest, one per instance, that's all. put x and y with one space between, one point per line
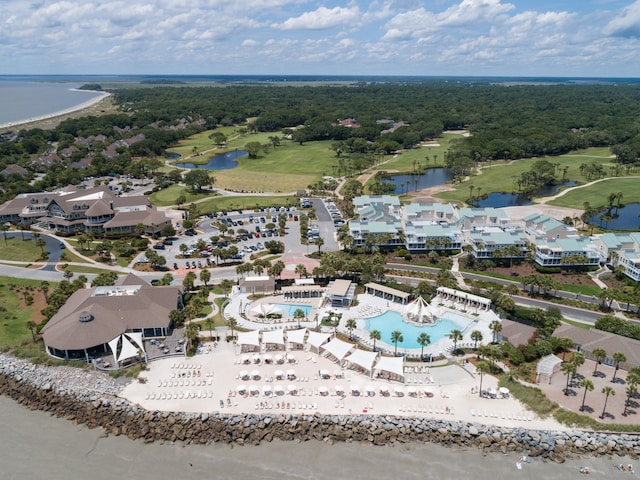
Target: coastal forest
505 122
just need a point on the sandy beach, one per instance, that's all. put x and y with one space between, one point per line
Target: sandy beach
222 379
90 107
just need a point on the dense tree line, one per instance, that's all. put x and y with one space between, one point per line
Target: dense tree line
505 122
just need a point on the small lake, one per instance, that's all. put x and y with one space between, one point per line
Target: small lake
623 218
432 177
221 161
172 155
499 200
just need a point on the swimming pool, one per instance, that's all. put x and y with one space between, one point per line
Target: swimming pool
290 309
391 321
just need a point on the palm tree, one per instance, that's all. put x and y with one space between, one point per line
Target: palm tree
482 368
31 325
205 276
607 391
568 369
455 336
618 357
496 327
351 326
191 333
44 288
233 323
476 336
298 314
632 389
209 322
588 387
424 340
396 336
375 335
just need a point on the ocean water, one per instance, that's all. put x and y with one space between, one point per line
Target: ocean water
36 445
24 100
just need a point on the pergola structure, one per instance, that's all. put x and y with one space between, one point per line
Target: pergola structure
391 294
467 300
547 366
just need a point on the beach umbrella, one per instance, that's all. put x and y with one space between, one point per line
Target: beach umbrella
241 388
279 358
291 373
266 390
244 374
292 388
254 389
279 374
370 390
278 389
427 391
338 373
384 389
504 390
355 388
339 389
245 359
255 374
291 358
323 390
267 357
256 358
324 373
412 390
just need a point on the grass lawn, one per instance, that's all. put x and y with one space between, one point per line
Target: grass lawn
201 141
404 161
20 250
14 314
597 194
238 203
167 196
286 168
69 256
500 176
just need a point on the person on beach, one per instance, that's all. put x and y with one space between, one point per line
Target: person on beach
584 470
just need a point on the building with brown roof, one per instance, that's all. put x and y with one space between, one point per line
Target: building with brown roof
93 317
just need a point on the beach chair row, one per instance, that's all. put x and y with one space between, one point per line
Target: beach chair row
426 410
189 366
179 395
519 416
185 383
286 406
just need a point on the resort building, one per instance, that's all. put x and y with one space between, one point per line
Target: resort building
92 318
96 210
261 285
567 252
340 293
495 243
538 226
622 250
378 222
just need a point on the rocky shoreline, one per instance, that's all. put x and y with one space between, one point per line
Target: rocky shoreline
92 399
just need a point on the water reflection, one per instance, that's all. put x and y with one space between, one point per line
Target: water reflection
623 218
221 161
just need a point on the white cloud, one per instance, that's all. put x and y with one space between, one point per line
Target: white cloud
321 19
627 23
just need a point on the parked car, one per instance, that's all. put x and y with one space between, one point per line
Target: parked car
193 264
199 264
159 246
175 266
167 241
187 266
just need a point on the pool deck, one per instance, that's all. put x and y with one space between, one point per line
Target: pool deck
368 306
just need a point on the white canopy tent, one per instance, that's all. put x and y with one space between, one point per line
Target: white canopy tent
316 339
296 336
363 359
264 309
338 348
126 346
393 365
251 339
273 337
419 311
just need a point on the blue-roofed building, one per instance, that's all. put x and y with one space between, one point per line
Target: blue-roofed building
622 249
493 243
539 226
378 222
568 252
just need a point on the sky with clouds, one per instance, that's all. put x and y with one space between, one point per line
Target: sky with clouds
593 38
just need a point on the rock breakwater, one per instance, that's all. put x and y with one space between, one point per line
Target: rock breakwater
92 399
